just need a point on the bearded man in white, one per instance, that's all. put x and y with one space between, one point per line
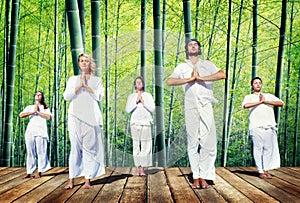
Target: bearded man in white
36 135
140 104
262 128
196 77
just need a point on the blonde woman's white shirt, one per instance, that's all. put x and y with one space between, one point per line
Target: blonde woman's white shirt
84 105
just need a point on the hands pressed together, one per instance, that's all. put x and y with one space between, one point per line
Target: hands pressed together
139 98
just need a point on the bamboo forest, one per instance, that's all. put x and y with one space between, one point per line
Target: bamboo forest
41 41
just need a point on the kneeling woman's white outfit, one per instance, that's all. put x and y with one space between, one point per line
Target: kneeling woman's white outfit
84 125
140 126
36 138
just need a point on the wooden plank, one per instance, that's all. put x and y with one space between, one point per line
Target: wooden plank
113 187
135 190
280 184
60 194
19 190
295 168
205 195
6 171
244 187
290 172
180 189
16 172
43 190
268 188
228 192
87 195
285 177
158 189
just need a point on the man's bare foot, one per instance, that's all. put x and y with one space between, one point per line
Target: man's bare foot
26 176
203 183
87 184
196 184
38 175
70 185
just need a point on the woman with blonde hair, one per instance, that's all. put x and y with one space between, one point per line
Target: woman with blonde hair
85 123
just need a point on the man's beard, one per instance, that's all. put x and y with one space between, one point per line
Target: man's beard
193 54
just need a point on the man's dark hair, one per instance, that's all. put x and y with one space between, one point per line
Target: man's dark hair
255 79
186 47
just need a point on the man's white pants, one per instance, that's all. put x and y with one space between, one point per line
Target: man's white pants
202 141
265 149
36 146
86 155
142 144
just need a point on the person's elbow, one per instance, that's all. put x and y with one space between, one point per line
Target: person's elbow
169 82
221 74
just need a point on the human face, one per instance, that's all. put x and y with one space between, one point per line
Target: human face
256 85
193 47
38 96
139 84
84 64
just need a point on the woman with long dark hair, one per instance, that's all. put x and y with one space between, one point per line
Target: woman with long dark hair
36 135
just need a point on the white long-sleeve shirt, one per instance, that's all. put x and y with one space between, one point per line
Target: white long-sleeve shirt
141 113
261 115
84 105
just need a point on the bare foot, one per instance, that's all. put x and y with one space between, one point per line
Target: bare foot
26 176
70 185
142 172
38 175
196 184
268 176
87 184
203 184
137 172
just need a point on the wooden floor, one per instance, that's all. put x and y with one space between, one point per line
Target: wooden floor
233 184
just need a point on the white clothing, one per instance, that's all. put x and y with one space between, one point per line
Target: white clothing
199 118
140 126
262 128
196 91
36 146
37 125
261 115
84 125
86 155
202 141
84 105
142 145
36 138
265 149
141 113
